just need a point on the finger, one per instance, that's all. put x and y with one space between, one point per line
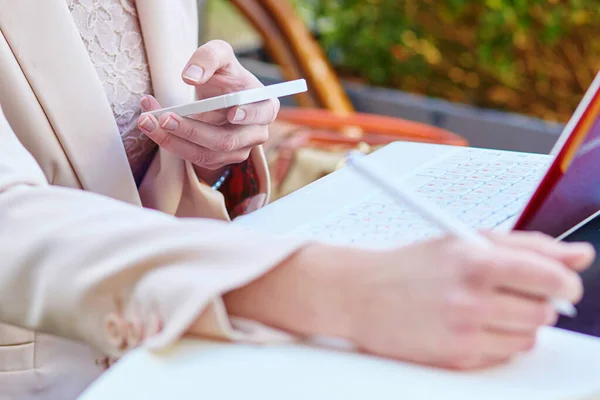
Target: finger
533 275
501 345
220 160
189 151
208 59
477 363
218 117
577 256
262 113
224 139
510 313
489 347
489 362
149 103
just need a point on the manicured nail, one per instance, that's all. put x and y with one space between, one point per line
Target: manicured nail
170 124
582 246
194 73
145 104
576 247
147 125
579 248
239 116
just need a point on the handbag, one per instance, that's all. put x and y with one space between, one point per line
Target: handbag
308 144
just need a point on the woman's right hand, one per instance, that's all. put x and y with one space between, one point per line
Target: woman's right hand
443 302
446 303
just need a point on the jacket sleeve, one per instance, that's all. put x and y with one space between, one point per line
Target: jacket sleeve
114 275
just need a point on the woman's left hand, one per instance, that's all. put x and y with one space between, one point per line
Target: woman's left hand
213 140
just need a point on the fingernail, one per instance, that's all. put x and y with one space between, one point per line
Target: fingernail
145 104
147 124
170 124
584 246
193 73
239 116
577 247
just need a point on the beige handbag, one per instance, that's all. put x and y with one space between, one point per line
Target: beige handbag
294 162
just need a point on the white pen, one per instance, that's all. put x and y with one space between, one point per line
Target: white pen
359 162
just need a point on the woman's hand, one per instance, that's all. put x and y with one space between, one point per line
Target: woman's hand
447 303
216 139
443 302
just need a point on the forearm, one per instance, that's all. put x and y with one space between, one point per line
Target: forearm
309 294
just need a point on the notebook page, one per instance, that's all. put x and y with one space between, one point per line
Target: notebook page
564 366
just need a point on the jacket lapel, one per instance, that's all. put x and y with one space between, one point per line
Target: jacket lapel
170 31
70 93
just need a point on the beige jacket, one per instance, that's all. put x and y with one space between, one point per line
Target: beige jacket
92 265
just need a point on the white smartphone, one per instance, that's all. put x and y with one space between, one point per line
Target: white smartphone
236 99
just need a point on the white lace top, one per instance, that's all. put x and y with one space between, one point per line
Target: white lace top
111 32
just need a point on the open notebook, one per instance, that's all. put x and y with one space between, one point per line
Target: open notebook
564 366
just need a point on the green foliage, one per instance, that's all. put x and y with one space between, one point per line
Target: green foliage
530 56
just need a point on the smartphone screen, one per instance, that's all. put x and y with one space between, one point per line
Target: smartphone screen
587 320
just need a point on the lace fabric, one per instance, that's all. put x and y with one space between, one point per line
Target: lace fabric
111 32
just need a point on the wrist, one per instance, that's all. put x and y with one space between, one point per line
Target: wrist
308 294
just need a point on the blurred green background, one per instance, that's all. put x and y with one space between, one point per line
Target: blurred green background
534 57
224 22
